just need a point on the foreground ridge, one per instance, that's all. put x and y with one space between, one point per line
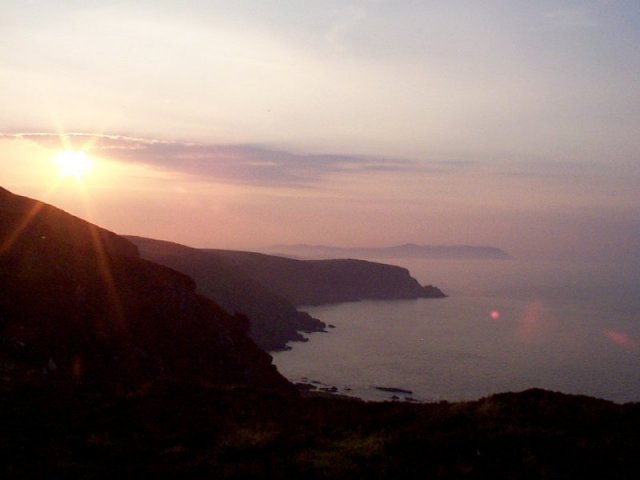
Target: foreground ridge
245 433
78 305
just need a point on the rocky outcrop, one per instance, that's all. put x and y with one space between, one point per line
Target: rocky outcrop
77 304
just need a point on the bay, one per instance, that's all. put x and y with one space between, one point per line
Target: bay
507 325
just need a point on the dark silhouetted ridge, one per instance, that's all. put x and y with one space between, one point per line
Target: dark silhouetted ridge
274 320
78 304
268 288
22 218
317 282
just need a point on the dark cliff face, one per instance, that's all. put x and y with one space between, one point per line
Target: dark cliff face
78 304
274 320
267 288
359 280
317 282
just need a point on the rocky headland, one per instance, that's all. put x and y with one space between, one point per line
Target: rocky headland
268 289
274 321
319 282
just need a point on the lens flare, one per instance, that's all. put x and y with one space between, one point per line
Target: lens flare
533 323
619 339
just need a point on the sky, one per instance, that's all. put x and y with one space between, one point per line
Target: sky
349 123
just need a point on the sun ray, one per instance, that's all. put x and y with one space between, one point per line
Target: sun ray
105 271
104 267
8 242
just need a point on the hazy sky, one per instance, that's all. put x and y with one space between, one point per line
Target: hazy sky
246 123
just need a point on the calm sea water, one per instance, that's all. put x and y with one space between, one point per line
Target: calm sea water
506 326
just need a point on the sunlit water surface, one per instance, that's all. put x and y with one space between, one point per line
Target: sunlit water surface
506 326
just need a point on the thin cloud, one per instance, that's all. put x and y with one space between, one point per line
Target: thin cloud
240 164
256 164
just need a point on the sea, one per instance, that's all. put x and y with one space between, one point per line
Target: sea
506 326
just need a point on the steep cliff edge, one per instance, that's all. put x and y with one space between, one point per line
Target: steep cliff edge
274 321
317 282
268 289
77 304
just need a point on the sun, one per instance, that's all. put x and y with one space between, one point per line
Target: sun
72 163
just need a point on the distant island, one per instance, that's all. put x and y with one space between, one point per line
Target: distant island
408 250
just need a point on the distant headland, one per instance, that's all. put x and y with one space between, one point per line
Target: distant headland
408 250
269 289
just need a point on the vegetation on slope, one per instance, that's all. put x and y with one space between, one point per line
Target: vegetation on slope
246 433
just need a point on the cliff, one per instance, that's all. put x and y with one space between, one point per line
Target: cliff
77 304
274 321
267 289
317 282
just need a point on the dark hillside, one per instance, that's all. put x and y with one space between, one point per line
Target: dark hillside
78 305
23 219
243 433
267 288
317 282
274 321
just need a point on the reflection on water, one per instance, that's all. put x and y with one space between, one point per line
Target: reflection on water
507 326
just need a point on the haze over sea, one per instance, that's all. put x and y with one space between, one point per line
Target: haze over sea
507 325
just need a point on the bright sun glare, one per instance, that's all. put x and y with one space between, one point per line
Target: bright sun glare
74 164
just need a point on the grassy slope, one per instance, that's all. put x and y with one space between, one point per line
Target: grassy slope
241 433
